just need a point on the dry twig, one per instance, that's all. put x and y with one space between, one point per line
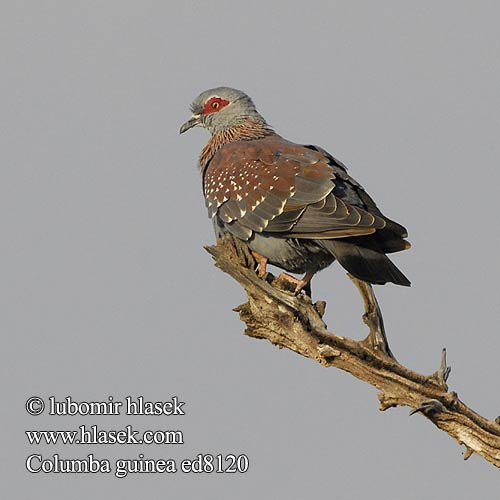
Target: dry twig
294 322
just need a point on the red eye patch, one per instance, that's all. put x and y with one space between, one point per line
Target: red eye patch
214 104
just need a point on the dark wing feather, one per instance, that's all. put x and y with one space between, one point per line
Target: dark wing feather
352 192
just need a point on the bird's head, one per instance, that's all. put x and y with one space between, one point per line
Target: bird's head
220 109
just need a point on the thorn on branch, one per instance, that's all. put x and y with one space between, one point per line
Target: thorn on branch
386 402
452 399
320 307
328 353
443 372
429 407
468 452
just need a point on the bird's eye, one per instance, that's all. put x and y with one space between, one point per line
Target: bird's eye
214 104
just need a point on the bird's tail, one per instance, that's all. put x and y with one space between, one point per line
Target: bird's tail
365 264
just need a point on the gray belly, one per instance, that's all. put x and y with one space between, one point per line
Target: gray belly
293 255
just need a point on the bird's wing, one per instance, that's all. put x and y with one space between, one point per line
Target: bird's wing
287 189
352 192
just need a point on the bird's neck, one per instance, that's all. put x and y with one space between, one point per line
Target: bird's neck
246 131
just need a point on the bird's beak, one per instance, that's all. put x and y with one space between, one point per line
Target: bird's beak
192 122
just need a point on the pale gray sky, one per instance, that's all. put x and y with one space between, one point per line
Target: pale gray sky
106 289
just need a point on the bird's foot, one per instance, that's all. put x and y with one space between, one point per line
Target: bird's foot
300 284
262 263
285 280
305 284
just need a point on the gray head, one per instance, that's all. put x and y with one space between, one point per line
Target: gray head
220 109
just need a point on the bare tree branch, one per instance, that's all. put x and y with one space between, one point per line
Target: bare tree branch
295 322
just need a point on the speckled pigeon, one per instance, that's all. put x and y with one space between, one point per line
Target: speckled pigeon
294 205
